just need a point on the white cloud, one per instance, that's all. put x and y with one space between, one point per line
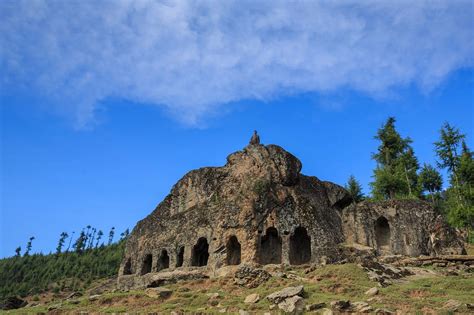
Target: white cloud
194 57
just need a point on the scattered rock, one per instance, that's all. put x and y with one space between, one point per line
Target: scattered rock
313 307
223 310
341 305
212 296
242 312
325 311
372 291
383 311
12 303
74 295
250 277
452 305
159 292
252 298
292 305
470 306
361 307
94 297
280 296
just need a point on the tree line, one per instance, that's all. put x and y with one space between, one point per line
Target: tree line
398 174
72 267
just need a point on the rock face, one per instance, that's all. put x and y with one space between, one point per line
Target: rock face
406 227
259 209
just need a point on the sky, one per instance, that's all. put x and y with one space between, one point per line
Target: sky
105 105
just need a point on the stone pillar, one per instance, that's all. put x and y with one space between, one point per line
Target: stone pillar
285 249
188 249
172 254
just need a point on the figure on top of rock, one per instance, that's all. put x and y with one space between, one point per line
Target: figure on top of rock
255 140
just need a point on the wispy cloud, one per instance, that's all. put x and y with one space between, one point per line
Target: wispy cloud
193 57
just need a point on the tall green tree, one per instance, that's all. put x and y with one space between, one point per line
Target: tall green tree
111 235
18 251
430 181
28 246
62 239
354 188
99 237
396 171
80 242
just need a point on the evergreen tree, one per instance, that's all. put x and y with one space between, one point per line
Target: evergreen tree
111 235
397 165
62 239
28 246
70 241
430 180
80 243
99 236
354 188
18 251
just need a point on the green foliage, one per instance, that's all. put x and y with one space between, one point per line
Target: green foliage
355 189
430 181
397 166
454 155
36 273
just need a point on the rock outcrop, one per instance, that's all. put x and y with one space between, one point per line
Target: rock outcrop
259 209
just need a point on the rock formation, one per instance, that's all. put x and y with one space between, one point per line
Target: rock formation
259 209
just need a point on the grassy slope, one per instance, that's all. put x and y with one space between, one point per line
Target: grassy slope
325 284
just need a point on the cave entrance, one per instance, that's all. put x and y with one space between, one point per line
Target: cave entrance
163 261
382 234
180 257
233 251
270 247
127 269
300 247
147 263
200 253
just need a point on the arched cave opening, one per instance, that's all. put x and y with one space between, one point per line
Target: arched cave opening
180 257
382 233
147 263
270 247
233 251
200 253
127 269
300 247
163 261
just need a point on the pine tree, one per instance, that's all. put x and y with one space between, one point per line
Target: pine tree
18 251
397 165
70 241
80 243
99 237
430 180
111 235
62 239
354 188
28 246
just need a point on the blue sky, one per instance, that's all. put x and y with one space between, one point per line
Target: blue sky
104 106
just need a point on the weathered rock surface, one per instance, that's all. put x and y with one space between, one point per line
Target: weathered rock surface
158 292
292 305
252 298
280 296
372 291
12 302
407 227
250 277
258 209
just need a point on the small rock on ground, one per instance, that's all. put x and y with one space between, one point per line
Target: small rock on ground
252 298
372 291
159 292
280 296
292 305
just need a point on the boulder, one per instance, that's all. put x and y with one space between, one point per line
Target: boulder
341 305
159 292
452 305
292 305
250 277
372 291
12 303
252 298
361 307
280 296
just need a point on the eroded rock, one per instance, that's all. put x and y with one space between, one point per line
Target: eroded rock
280 296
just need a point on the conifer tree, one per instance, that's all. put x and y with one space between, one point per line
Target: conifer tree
62 239
80 243
354 188
430 180
18 251
28 246
397 165
99 236
70 241
111 235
